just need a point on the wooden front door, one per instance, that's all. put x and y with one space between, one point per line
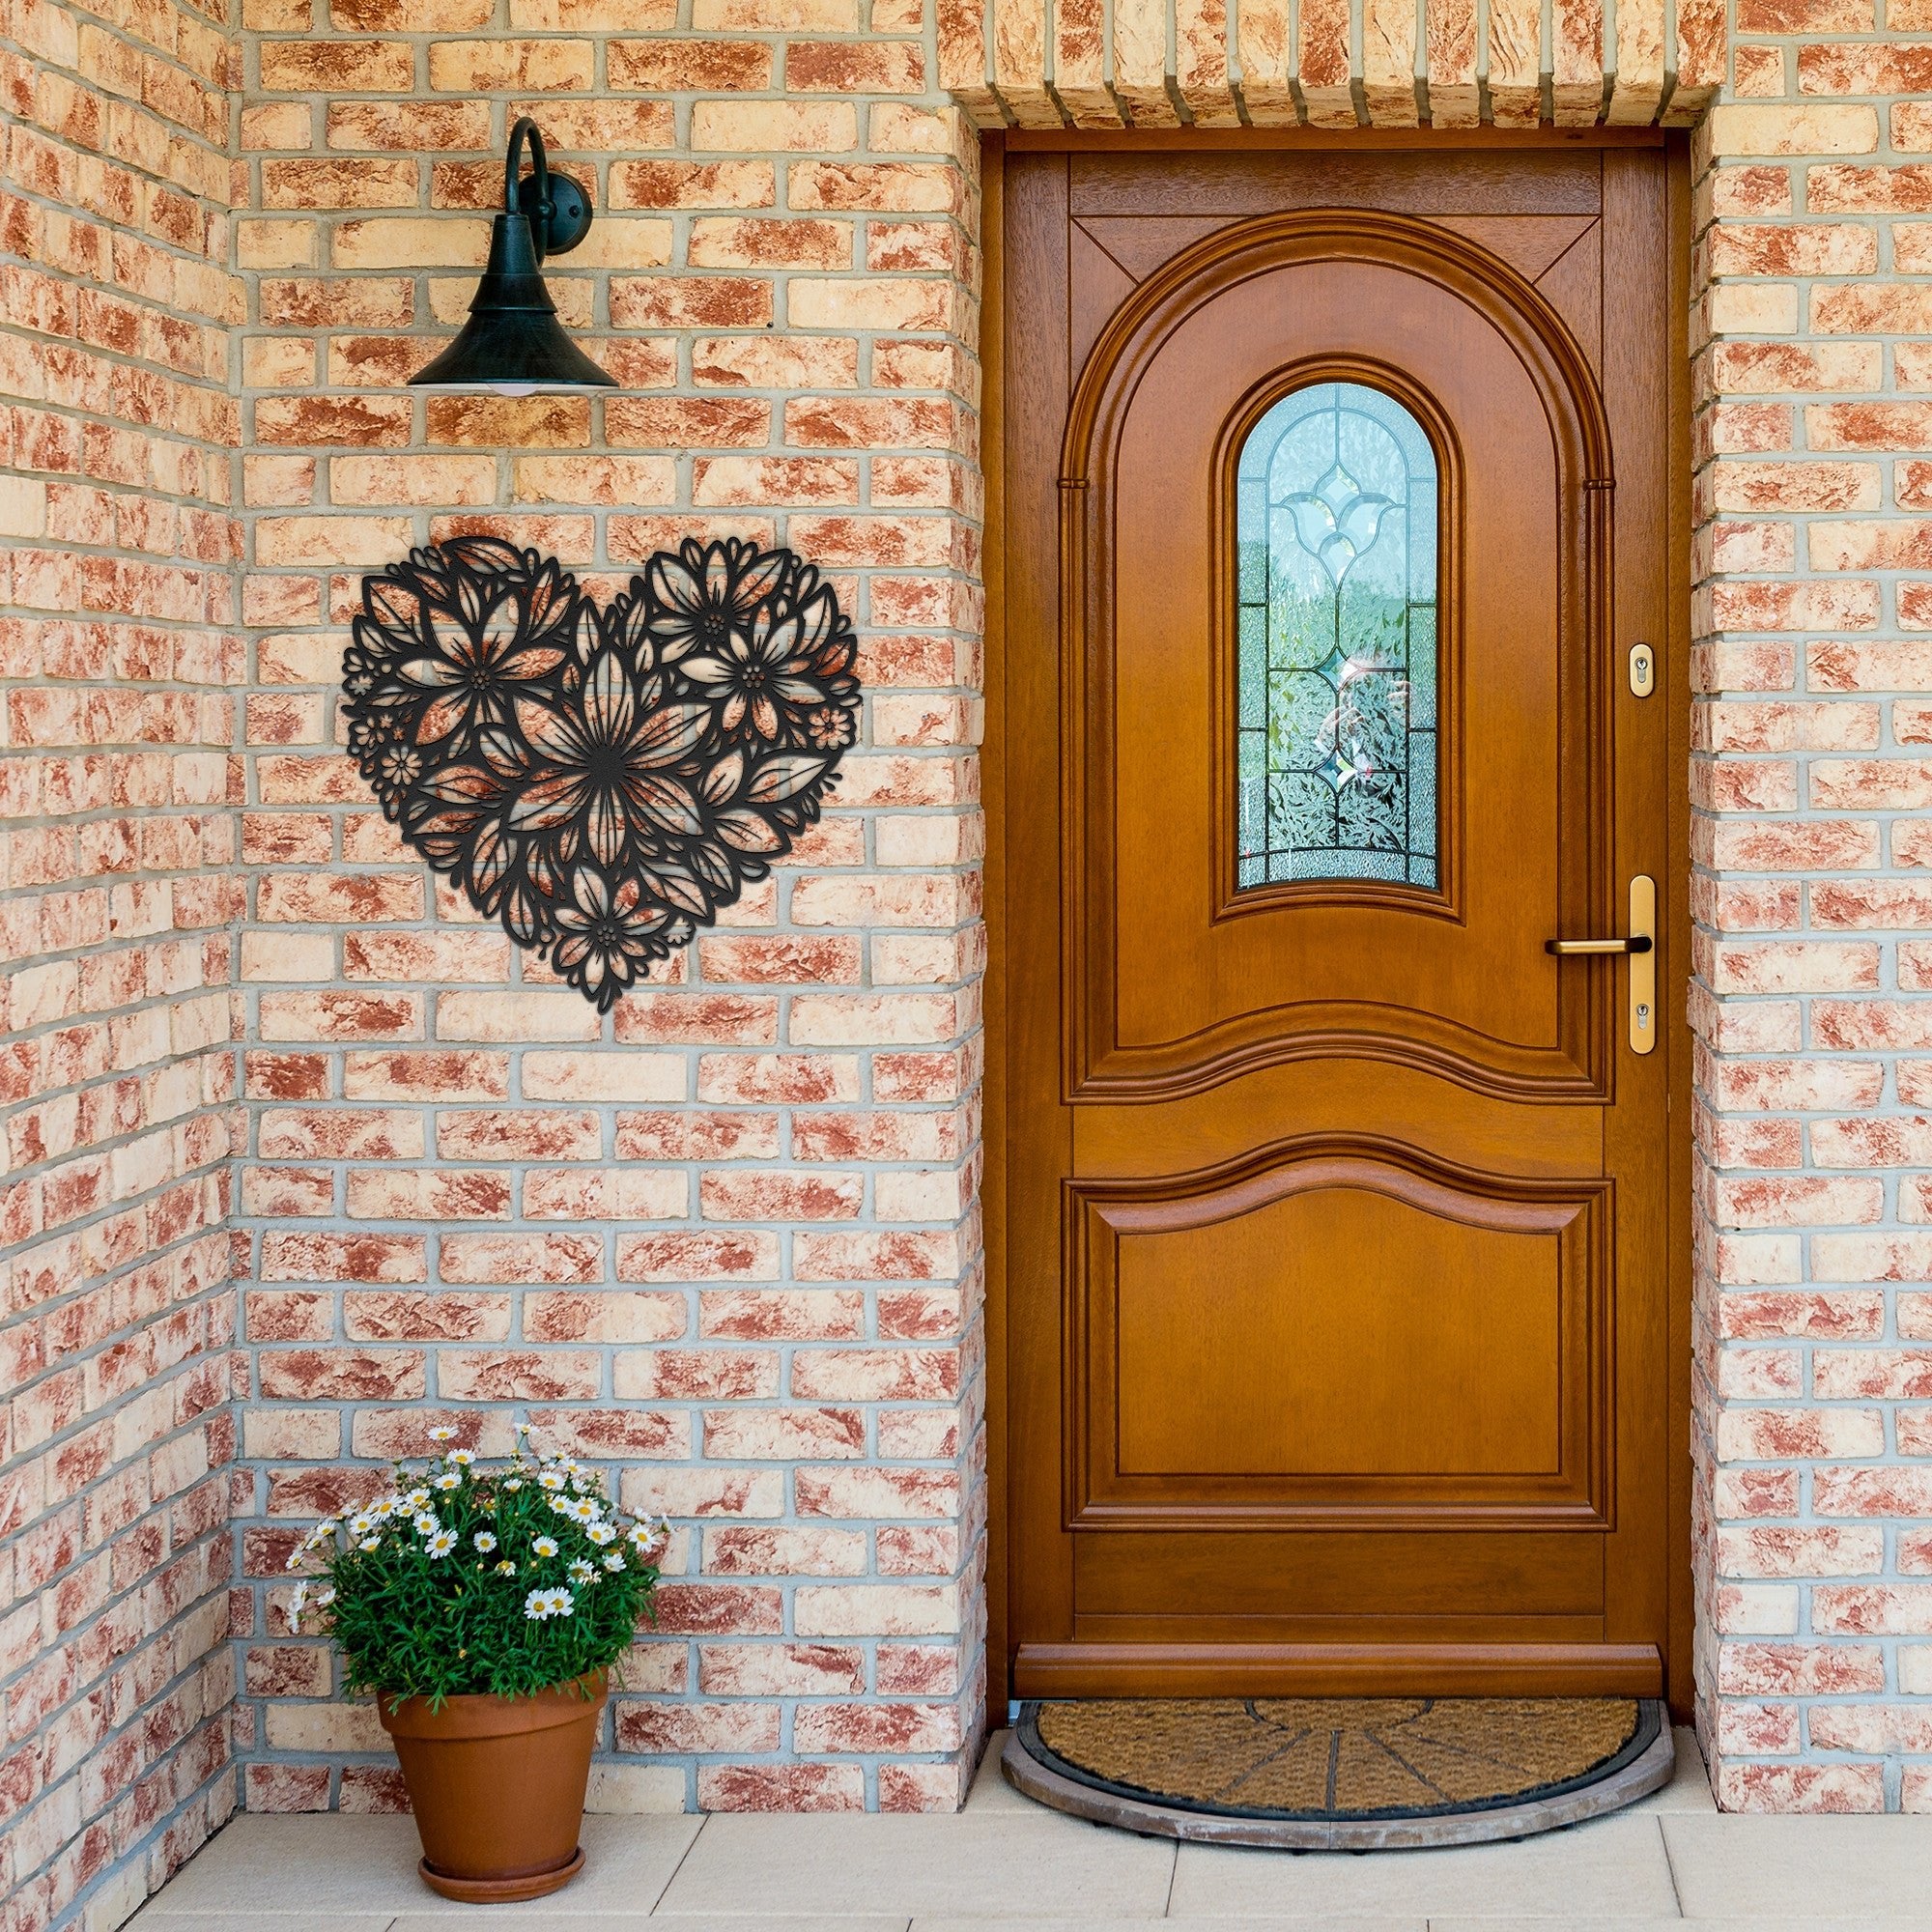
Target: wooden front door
1338 1227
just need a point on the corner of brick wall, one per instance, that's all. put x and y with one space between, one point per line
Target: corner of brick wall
120 668
1810 781
724 1241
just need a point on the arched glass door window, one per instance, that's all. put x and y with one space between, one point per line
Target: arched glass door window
1337 682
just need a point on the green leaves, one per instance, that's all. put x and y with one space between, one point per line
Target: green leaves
412 1622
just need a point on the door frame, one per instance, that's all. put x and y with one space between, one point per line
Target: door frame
1675 690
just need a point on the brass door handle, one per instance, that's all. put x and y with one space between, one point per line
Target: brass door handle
1640 946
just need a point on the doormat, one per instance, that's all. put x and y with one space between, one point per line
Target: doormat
1341 1773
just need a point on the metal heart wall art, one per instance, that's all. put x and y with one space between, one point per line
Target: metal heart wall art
602 781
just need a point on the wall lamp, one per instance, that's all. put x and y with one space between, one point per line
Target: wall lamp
513 343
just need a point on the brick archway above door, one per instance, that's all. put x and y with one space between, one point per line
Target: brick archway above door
1149 64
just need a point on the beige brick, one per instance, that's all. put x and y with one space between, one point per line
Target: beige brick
409 242
1810 128
629 480
441 481
483 66
277 245
763 126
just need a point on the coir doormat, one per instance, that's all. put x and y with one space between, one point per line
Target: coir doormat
1341 1773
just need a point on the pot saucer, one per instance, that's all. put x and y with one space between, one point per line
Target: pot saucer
506 1890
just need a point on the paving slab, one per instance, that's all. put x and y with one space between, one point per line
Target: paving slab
990 1790
1612 1869
288 1866
1325 1922
1814 1870
557 1914
255 1921
271 1867
1568 1923
1689 1786
992 1864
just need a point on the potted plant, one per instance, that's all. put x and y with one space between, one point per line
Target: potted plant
484 1609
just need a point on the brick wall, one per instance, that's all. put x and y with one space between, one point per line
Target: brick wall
1810 784
120 664
723 1241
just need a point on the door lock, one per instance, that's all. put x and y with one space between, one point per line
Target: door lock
1642 671
1643 965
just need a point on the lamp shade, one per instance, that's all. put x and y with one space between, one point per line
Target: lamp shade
513 343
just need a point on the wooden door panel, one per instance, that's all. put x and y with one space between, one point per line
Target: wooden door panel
1336 1227
1332 1336
1515 182
1435 1353
1574 284
1530 244
1287 1583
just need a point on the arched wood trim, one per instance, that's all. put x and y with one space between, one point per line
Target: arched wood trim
1561 375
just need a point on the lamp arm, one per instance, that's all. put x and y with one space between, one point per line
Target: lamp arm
524 130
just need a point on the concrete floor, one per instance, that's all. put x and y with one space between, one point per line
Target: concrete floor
1667 1861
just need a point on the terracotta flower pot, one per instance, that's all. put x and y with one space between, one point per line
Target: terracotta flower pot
498 1786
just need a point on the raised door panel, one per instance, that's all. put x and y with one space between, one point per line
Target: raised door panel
1331 1335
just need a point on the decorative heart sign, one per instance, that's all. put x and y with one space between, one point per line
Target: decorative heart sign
601 781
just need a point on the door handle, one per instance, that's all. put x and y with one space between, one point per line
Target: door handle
1571 948
1640 946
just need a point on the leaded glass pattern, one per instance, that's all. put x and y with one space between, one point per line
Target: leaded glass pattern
1336 532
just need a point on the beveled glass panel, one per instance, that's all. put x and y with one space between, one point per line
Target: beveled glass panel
1336 587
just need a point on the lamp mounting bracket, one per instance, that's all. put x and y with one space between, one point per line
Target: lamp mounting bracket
557 207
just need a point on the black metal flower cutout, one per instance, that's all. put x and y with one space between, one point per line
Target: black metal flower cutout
602 781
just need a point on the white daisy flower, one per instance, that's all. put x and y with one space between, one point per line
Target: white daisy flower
507 1568
441 1543
485 1541
361 1523
601 1533
450 1479
514 1483
325 1596
544 1545
584 1510
462 1458
415 1498
445 1434
387 1507
551 1480
614 1561
426 1524
541 1605
370 1543
581 1572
